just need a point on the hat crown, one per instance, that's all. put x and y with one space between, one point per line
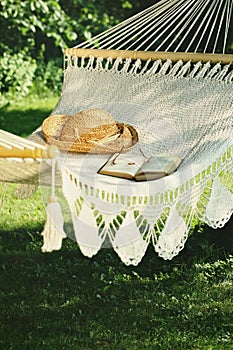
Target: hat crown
105 138
91 123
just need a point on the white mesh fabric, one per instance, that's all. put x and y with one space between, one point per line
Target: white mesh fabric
183 109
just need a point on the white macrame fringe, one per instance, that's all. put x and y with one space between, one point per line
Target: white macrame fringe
190 114
220 207
177 69
173 236
53 232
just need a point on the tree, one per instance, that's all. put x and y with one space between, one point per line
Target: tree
25 25
28 25
35 32
94 16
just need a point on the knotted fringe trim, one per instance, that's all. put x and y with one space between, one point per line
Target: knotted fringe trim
167 227
198 70
218 167
53 232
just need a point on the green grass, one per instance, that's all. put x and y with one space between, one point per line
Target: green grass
63 300
24 116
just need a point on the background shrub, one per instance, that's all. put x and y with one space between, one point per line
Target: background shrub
17 71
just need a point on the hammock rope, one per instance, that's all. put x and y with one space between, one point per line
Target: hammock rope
161 26
192 16
180 102
184 19
20 158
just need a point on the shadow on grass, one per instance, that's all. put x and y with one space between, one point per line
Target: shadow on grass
25 122
63 300
23 119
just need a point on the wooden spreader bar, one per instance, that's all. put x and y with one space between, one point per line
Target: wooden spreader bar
13 146
153 55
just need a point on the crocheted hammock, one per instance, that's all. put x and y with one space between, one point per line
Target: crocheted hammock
179 103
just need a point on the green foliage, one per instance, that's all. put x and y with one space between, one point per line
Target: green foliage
49 78
32 22
34 34
57 23
20 75
95 16
16 74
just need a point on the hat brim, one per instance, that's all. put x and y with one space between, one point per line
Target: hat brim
127 138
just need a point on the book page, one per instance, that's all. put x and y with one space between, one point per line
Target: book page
123 165
158 164
161 164
139 168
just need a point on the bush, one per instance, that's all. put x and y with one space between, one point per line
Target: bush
48 77
20 75
16 74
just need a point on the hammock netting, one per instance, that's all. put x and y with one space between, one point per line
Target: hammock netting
179 103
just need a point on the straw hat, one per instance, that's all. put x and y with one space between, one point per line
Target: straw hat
93 130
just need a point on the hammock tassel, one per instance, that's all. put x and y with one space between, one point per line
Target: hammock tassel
172 237
53 232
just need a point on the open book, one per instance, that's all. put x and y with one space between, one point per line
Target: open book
139 168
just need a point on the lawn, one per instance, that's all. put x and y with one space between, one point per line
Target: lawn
63 300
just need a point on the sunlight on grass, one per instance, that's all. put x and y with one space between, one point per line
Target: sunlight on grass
63 300
26 115
17 213
100 303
